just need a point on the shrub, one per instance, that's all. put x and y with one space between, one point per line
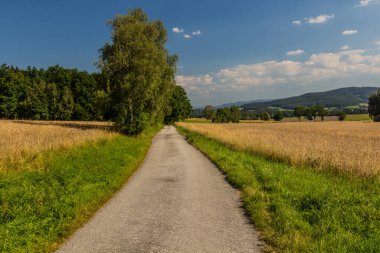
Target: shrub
341 116
278 116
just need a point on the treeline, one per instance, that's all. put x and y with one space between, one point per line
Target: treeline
135 87
52 94
222 115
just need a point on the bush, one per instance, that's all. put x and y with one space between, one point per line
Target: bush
278 116
265 116
341 116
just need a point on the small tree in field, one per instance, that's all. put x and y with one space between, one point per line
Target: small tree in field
322 112
374 106
235 114
299 111
278 116
341 116
308 114
209 112
265 116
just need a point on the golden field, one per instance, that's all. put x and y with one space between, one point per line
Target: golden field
19 140
349 147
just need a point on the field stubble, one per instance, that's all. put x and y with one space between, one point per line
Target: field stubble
345 147
21 140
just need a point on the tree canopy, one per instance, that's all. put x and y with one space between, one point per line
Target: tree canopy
140 71
180 106
374 106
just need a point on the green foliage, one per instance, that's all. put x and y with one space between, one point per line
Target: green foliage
222 115
235 114
299 112
52 94
227 115
139 70
180 106
209 112
341 116
278 116
374 106
40 208
321 112
265 116
300 209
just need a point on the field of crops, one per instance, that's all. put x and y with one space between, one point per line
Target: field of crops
20 140
345 147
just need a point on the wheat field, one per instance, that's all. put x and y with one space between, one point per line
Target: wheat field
20 140
349 147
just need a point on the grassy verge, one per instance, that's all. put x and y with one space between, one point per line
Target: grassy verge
358 117
39 208
300 209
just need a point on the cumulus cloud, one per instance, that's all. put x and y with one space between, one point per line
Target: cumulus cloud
297 22
318 67
196 33
346 47
323 18
349 32
365 3
295 52
177 30
187 36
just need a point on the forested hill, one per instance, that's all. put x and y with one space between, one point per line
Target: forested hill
52 94
342 97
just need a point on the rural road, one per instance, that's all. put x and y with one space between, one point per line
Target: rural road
177 201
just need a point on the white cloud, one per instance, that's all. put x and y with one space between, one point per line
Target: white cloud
349 32
177 30
297 22
196 33
323 18
187 36
295 52
377 43
346 47
365 3
320 66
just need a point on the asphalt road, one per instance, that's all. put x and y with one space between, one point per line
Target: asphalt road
177 201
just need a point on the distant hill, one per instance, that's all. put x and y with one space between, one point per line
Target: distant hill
240 103
341 98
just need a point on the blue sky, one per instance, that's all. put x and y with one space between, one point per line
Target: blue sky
246 49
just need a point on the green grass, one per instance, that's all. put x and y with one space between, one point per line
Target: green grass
38 209
358 117
300 209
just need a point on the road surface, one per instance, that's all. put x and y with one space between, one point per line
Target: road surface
178 201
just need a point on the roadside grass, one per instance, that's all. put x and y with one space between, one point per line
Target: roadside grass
300 209
358 117
40 208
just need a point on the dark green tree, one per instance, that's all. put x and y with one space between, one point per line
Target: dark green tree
209 112
341 115
222 115
140 71
278 116
299 112
322 112
374 106
235 114
180 106
265 116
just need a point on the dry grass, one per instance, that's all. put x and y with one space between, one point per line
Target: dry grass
20 140
349 147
